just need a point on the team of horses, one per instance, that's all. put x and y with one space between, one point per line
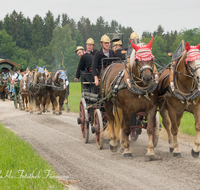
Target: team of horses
38 88
140 87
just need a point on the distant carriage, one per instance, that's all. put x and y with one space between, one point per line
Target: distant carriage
6 67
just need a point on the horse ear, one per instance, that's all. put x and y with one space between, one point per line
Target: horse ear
187 46
43 67
65 71
150 43
136 48
59 72
37 67
198 46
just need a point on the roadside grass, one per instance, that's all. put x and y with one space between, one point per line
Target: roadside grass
187 125
21 167
74 96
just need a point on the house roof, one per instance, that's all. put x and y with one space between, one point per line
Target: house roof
8 61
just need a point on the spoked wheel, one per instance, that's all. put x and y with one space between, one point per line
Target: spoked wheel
98 125
156 131
83 115
134 135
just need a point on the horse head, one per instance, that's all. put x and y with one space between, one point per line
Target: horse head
41 75
61 79
4 80
142 59
24 82
192 60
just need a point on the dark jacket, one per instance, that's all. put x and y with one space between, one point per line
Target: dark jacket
96 64
85 63
93 52
118 53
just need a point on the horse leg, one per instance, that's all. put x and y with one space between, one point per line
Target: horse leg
109 110
31 104
175 122
196 148
23 102
167 125
26 98
38 105
48 102
61 101
151 118
126 130
44 103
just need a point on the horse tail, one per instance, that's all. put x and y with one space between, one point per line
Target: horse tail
118 118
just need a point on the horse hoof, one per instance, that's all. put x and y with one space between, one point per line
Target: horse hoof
39 113
177 155
113 148
57 113
171 149
68 110
26 111
60 113
121 150
152 158
31 112
195 154
128 155
48 110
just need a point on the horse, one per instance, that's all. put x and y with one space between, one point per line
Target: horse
133 88
3 86
57 89
179 89
23 91
36 86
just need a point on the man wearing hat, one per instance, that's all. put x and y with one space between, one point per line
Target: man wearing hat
119 51
135 39
80 51
90 46
105 52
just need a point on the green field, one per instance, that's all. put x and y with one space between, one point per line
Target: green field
187 122
21 167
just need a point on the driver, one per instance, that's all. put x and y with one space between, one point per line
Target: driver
105 52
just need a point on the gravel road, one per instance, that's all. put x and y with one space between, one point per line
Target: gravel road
58 139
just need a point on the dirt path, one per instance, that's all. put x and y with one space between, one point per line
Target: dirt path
58 139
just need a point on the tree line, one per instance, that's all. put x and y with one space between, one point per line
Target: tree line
39 41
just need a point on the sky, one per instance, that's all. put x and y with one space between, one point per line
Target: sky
141 15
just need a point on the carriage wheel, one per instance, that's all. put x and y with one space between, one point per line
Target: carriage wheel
134 135
156 131
98 125
83 115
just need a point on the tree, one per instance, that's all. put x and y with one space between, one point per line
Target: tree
7 46
49 26
37 33
65 19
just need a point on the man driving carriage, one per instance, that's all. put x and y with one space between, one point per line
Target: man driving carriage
105 52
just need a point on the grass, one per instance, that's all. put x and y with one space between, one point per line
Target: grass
74 96
21 167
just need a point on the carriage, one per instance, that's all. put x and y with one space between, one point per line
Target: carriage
6 67
92 113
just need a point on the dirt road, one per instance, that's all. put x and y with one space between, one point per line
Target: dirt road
58 139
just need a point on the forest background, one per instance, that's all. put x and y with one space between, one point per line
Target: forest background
39 42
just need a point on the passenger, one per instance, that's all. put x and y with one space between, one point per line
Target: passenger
105 52
135 39
80 51
90 46
85 62
119 51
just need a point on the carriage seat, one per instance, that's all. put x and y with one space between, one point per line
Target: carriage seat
178 53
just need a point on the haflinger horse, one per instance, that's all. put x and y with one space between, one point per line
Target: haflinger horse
57 89
23 91
133 88
179 89
37 89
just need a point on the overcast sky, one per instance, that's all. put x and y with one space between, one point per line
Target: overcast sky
141 15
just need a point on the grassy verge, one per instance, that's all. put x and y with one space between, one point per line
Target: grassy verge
74 96
187 124
21 167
